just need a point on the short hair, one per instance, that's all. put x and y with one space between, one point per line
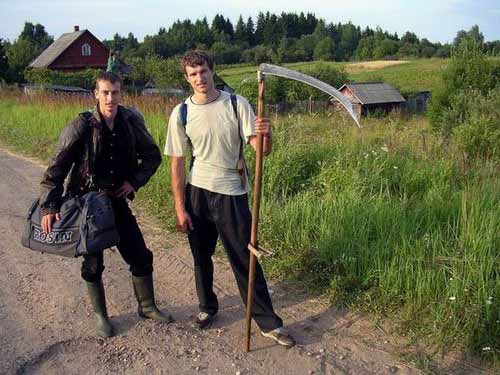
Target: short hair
108 77
195 58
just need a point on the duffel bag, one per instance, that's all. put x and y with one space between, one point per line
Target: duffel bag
87 226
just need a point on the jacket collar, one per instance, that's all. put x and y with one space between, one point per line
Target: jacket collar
121 113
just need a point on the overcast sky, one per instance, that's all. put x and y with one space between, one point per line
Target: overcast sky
436 20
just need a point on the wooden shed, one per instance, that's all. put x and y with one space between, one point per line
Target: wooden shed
74 51
368 97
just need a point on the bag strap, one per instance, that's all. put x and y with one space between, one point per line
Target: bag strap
91 149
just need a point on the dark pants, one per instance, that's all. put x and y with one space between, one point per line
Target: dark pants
132 247
228 217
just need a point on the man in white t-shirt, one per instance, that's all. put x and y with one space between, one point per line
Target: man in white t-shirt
213 126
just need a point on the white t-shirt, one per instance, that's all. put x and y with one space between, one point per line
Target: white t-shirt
215 138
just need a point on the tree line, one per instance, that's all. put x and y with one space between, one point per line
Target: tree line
288 37
16 56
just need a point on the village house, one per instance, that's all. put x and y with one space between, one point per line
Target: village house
373 96
72 52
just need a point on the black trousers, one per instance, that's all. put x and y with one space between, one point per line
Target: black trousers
131 247
228 217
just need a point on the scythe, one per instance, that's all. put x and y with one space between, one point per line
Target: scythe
253 246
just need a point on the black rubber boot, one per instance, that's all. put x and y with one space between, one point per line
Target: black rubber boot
98 301
143 288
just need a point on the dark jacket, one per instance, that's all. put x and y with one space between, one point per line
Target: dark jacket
72 155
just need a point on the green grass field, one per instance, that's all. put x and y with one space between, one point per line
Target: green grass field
410 77
385 218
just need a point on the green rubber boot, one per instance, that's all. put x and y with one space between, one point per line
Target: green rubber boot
143 288
98 301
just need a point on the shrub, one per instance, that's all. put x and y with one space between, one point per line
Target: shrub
165 72
478 135
468 73
225 53
43 76
466 108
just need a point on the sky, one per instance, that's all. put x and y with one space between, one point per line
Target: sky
436 20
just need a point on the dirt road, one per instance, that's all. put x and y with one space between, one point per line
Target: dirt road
46 325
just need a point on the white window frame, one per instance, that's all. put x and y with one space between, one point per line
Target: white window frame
86 50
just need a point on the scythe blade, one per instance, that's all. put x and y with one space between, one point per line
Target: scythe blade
274 70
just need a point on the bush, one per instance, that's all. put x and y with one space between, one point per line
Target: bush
225 53
257 55
464 108
324 49
43 76
469 70
165 72
478 135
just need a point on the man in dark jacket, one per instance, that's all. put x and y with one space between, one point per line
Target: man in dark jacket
124 159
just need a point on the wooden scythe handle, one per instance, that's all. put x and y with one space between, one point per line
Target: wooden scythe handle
255 212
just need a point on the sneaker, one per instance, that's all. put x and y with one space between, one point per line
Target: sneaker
280 336
204 320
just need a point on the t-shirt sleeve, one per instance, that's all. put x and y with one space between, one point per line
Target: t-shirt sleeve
247 118
177 143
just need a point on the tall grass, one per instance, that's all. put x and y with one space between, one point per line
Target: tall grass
386 218
376 218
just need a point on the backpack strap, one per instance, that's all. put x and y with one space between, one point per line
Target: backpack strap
234 103
183 113
241 166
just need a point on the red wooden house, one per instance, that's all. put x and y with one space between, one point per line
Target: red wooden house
74 51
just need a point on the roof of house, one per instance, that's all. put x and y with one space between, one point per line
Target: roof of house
52 52
374 92
58 88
